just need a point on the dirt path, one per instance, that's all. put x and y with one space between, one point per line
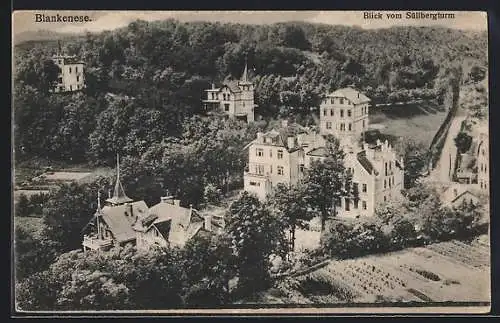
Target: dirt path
444 167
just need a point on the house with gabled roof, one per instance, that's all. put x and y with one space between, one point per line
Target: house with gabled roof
170 225
235 98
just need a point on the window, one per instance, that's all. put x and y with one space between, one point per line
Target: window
301 168
213 96
341 113
332 100
482 152
78 78
455 192
243 103
260 152
390 165
385 198
342 126
364 205
259 169
69 70
350 127
331 112
76 69
385 164
270 153
270 169
71 88
224 96
280 170
329 126
385 183
59 80
363 123
364 188
280 154
254 184
341 100
226 107
355 187
481 184
347 204
356 203
349 113
228 96
324 112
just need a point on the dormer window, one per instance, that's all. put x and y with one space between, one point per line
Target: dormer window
341 100
332 100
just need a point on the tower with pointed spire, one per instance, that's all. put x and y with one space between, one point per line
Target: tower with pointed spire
234 98
71 75
119 197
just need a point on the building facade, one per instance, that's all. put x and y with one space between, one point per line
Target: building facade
344 114
233 98
377 173
71 77
483 162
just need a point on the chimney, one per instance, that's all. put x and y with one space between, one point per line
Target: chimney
260 137
291 142
130 210
167 199
213 86
177 202
208 223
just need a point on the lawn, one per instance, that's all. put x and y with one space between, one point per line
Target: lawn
417 121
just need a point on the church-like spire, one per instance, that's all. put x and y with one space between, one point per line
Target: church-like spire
244 76
119 196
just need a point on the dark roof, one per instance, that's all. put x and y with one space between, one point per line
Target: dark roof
320 152
119 220
367 165
233 86
164 228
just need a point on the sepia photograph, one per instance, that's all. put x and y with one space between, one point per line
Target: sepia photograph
250 162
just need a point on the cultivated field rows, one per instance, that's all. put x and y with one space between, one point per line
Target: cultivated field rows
448 271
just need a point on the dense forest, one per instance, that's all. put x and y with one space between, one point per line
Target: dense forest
158 71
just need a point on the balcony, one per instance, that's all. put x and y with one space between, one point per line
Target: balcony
95 243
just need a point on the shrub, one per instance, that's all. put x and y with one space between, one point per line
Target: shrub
23 206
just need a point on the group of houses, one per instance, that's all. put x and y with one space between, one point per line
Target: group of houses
282 156
124 221
472 175
278 156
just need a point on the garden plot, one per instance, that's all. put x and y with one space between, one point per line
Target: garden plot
449 271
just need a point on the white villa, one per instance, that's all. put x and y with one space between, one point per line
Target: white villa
234 98
71 78
281 157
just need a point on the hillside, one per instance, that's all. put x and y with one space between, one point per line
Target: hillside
166 65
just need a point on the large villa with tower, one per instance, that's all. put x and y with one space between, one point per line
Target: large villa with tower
71 76
281 155
234 98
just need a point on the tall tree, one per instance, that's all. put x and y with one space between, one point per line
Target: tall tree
255 234
289 204
327 182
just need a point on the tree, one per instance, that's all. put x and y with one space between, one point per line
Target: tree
328 181
289 204
32 254
69 210
463 142
255 234
89 290
415 156
23 206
